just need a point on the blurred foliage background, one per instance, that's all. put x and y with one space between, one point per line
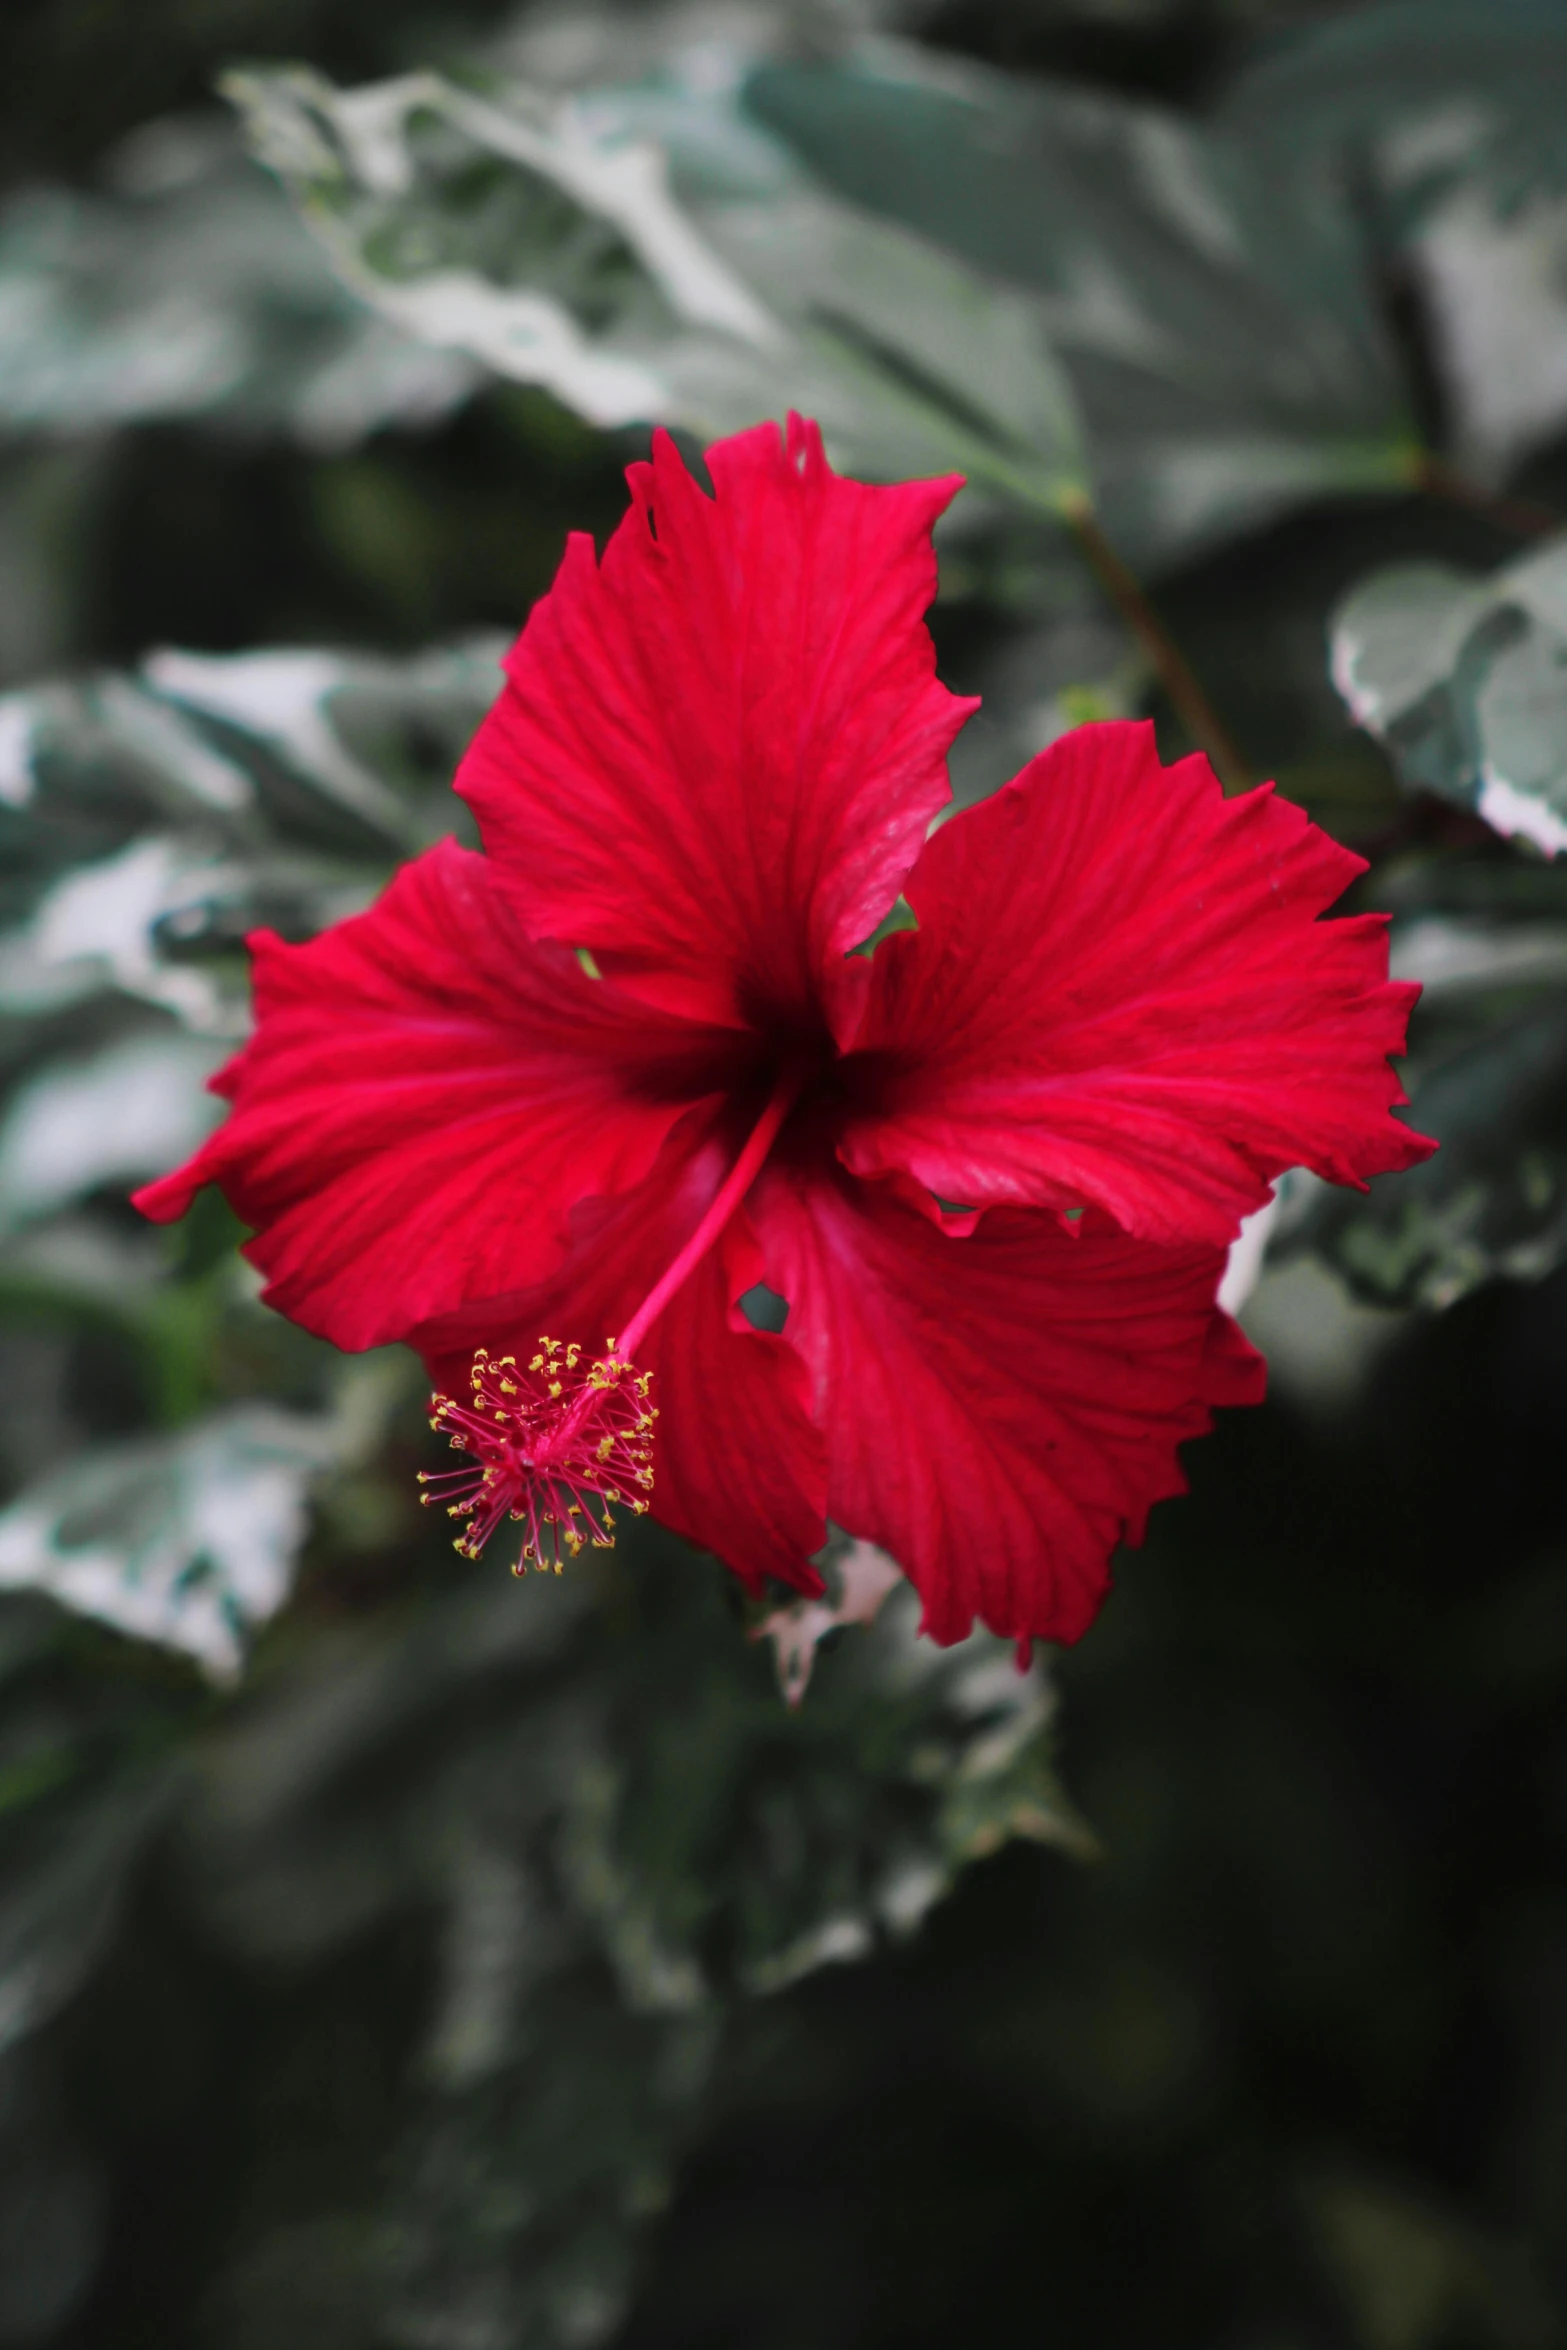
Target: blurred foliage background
394 1956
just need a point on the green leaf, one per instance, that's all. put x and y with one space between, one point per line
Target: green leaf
190 293
815 1836
63 1869
595 1730
1484 934
54 2201
128 1113
300 709
1465 681
1445 116
1407 2267
100 924
1493 1201
1480 81
551 242
522 2198
1493 283
87 1774
187 1540
625 1830
151 821
1220 337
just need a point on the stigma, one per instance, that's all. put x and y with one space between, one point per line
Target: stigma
557 1445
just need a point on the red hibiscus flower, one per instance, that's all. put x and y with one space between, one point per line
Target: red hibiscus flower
626 1072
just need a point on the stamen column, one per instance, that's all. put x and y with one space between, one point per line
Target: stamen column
549 1439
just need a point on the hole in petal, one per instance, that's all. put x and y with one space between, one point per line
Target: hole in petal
764 1309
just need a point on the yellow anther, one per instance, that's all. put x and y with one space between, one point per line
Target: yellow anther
544 1442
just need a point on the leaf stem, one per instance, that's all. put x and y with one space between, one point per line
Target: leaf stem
1521 516
1169 663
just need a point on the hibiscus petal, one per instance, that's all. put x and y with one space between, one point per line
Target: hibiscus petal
1120 992
719 750
427 1094
1002 1406
738 1467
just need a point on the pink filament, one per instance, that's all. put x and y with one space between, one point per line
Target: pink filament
554 1446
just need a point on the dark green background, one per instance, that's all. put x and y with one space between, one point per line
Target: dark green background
1287 2066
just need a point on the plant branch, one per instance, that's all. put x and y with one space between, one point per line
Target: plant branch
1521 516
1169 663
